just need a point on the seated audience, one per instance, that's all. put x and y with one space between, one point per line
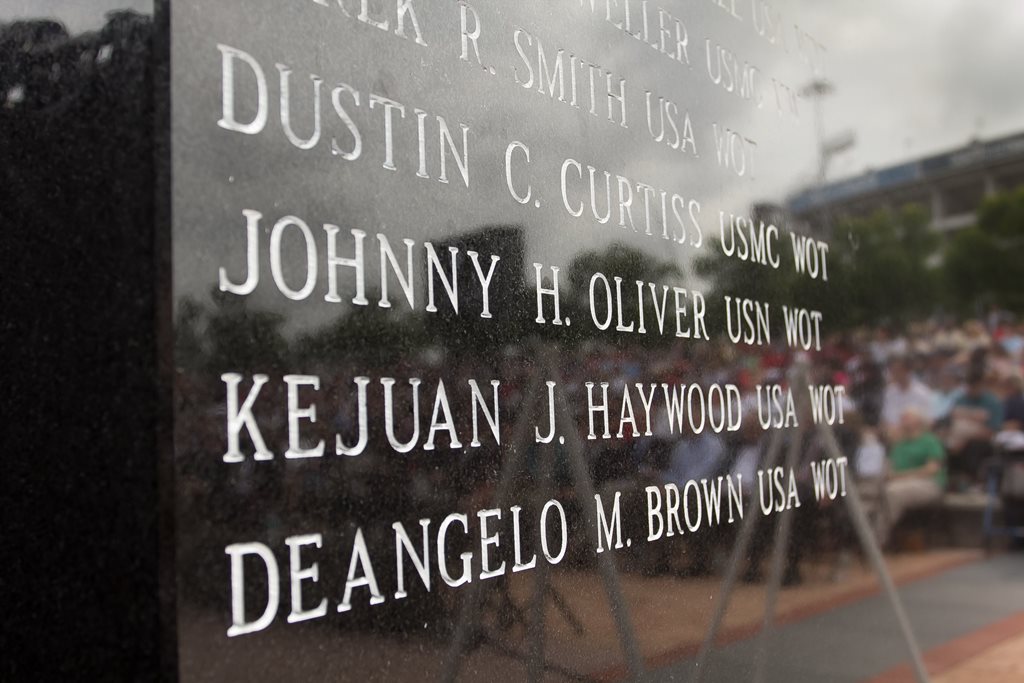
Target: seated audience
917 471
976 417
903 392
1013 404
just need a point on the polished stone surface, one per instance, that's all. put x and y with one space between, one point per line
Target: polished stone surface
297 264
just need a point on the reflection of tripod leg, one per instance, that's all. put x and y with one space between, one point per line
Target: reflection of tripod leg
870 545
468 614
509 613
739 550
565 610
778 560
866 536
605 562
535 651
471 603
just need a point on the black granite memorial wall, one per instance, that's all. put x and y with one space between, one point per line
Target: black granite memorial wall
462 340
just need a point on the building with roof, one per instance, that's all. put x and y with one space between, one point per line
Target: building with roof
951 185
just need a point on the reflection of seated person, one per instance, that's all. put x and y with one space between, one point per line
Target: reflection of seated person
947 392
1013 404
696 457
869 457
1011 436
870 467
976 417
1010 442
903 392
801 535
917 472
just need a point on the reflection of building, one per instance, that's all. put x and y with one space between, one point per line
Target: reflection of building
507 289
951 185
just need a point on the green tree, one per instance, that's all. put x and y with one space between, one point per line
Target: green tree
880 268
884 269
630 264
985 263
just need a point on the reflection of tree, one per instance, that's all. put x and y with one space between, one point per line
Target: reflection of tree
985 263
368 334
232 335
623 261
243 338
881 271
879 268
628 263
237 337
467 332
732 277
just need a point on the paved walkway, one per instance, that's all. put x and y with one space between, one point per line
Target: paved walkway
862 641
1003 662
996 649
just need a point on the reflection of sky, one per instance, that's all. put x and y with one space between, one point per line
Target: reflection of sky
911 78
76 15
267 173
898 77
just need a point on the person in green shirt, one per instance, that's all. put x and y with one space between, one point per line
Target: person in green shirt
917 471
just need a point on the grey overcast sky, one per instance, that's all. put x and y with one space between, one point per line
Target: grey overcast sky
920 76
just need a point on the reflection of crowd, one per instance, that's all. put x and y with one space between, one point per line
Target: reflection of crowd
952 403
929 411
925 412
670 457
